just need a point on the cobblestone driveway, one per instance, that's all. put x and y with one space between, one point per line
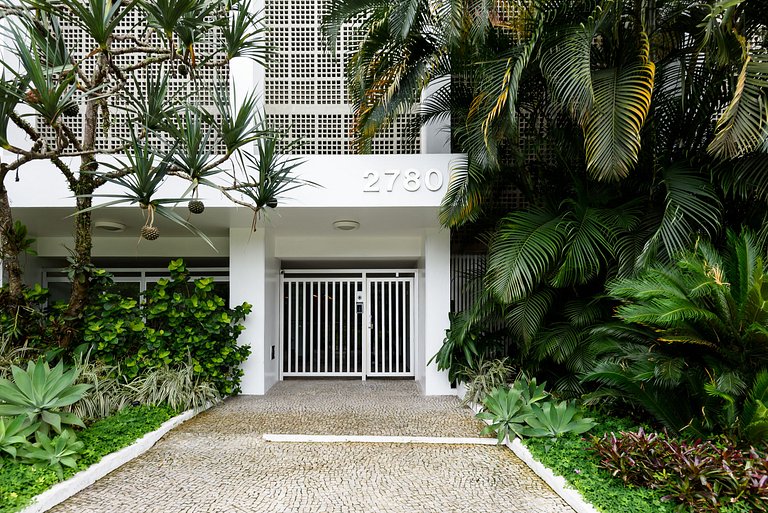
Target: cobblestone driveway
218 461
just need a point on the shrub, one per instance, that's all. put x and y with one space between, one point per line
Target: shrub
487 376
702 475
176 387
179 321
689 343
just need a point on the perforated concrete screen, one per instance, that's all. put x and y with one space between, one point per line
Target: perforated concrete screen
113 132
305 91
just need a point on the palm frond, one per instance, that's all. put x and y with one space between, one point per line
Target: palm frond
612 127
523 252
743 127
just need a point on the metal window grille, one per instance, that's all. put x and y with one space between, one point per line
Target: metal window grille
114 132
306 95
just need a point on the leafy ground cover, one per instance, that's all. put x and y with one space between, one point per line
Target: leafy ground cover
20 482
573 457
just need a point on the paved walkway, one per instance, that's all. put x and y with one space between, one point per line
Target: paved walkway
218 462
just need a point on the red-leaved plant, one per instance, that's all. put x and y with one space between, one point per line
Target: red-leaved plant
703 475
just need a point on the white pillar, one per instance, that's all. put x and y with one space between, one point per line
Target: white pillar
247 272
436 305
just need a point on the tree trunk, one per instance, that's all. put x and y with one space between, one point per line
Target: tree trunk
85 186
9 251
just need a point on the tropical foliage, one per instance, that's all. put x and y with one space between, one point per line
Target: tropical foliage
692 344
525 409
39 392
702 475
125 73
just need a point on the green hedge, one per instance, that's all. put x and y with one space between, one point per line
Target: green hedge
19 482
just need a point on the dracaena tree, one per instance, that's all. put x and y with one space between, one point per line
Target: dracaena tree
63 98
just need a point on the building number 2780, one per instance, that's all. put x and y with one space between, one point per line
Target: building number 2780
410 180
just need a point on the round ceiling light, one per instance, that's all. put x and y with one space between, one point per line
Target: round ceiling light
346 225
109 226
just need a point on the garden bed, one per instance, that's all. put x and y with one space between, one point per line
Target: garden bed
20 483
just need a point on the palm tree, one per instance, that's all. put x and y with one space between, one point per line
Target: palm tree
650 113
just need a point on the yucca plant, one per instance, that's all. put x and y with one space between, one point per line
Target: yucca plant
40 393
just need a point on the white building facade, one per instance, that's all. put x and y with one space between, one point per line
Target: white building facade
349 278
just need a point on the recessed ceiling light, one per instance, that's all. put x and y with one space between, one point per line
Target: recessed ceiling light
346 225
109 226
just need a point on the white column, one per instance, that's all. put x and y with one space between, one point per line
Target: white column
247 267
436 135
436 305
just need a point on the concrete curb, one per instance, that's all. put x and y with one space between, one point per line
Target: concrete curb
85 478
558 483
378 439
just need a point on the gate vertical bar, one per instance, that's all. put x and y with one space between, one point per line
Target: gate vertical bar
398 327
390 349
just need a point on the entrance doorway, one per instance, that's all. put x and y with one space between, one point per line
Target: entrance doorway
348 323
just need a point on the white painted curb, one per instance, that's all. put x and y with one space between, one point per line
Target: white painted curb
271 437
558 483
64 490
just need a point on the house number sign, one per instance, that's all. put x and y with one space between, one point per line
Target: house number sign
411 180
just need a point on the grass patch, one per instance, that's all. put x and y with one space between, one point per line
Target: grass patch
20 482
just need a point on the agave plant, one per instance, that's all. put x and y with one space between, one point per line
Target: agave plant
507 409
555 419
57 452
14 433
40 393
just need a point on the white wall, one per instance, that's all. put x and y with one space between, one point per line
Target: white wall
247 270
272 298
437 304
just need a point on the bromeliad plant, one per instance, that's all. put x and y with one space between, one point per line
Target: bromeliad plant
39 393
